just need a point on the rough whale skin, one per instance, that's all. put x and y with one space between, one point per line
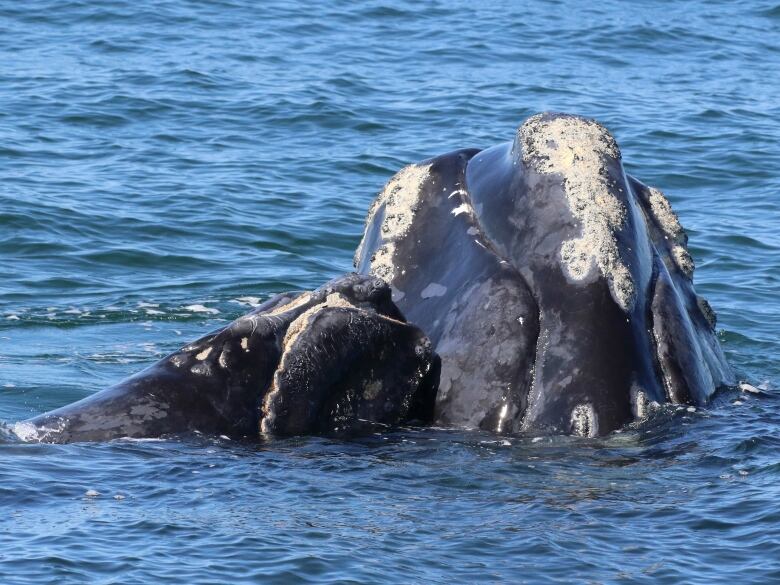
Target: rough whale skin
556 289
338 360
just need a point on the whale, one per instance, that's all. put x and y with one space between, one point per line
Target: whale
556 289
532 287
338 360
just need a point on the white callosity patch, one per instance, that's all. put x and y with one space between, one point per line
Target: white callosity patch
708 312
400 198
201 367
667 219
665 215
204 354
683 260
583 421
579 150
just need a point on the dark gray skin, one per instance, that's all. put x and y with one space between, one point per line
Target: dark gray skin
333 361
565 297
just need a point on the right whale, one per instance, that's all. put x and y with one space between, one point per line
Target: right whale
556 289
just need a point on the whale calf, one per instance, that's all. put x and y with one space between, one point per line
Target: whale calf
556 289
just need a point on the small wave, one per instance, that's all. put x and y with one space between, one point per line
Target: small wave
24 431
197 308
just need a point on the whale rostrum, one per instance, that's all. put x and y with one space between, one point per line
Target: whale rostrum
556 289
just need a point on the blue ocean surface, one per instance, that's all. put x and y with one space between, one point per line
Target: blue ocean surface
164 165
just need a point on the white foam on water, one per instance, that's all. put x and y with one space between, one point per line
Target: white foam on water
197 308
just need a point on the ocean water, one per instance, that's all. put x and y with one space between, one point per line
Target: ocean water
163 165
